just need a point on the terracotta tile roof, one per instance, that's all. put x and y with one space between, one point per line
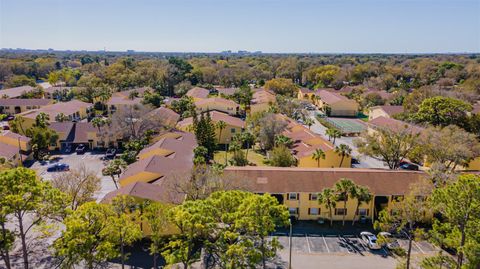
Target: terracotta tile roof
152 192
16 92
393 125
163 166
61 127
181 145
198 92
215 100
390 110
216 117
81 131
67 108
24 102
15 136
263 97
166 115
226 91
330 97
120 100
284 180
8 151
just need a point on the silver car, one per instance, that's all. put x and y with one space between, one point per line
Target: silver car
370 240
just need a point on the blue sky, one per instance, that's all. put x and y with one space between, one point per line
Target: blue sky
357 26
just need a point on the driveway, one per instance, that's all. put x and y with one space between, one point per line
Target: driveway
365 161
92 161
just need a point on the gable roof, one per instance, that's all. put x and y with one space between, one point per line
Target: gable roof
263 97
331 97
161 165
52 90
24 102
215 100
67 108
142 190
181 145
394 125
226 91
313 180
217 116
198 92
390 110
165 115
16 92
120 100
14 136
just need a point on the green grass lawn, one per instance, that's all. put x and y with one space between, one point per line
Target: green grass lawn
252 157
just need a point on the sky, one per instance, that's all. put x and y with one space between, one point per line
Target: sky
301 26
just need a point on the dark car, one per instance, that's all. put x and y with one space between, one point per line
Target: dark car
355 161
81 149
58 167
111 153
409 166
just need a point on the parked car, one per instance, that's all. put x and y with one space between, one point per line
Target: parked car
370 240
81 149
111 153
355 161
409 166
391 243
58 167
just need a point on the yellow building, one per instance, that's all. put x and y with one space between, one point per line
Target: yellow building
384 111
74 111
16 106
305 143
298 188
335 104
233 126
306 94
217 104
474 164
14 147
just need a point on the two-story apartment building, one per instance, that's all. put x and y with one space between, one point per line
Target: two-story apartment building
16 105
298 188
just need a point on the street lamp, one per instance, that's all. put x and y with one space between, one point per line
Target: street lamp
290 245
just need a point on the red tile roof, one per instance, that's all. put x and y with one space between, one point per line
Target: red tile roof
216 117
394 125
152 192
198 92
24 102
390 110
314 180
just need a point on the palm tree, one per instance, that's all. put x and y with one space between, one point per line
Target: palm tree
363 195
344 188
336 134
317 155
343 150
220 125
283 140
328 198
98 122
248 139
309 122
329 133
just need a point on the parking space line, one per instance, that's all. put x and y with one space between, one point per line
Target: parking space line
308 244
421 250
324 241
347 246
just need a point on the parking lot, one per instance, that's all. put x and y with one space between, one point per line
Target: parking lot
91 160
343 244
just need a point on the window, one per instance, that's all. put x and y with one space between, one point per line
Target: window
340 211
232 130
313 196
293 196
293 210
362 212
314 211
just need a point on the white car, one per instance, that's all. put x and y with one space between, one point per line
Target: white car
391 243
370 240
